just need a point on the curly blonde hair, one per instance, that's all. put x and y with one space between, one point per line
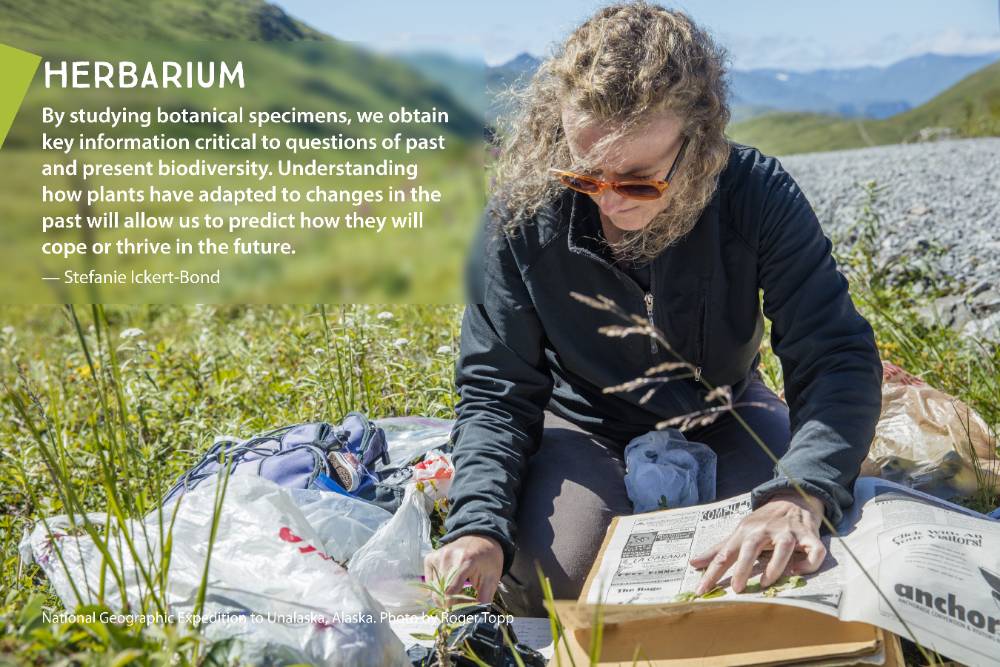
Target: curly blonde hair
626 63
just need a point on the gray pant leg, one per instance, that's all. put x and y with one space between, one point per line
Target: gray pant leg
573 487
742 464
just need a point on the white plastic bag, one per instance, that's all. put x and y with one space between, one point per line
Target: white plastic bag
267 560
391 563
434 473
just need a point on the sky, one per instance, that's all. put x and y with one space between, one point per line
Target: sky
789 34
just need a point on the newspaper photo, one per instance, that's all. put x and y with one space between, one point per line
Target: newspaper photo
936 566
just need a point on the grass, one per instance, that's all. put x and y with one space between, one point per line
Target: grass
104 407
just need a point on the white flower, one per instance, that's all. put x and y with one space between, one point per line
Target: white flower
385 315
444 349
400 342
9 330
131 333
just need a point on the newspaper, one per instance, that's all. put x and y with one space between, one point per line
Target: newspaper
936 565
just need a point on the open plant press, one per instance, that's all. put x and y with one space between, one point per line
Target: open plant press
903 561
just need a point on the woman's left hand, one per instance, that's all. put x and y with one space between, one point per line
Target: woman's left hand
786 524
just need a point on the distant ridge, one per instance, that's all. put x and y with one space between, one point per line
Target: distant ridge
970 108
866 92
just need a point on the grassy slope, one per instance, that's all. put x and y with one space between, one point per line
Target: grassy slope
466 79
159 19
319 74
971 107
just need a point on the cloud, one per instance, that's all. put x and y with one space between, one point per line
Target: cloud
954 41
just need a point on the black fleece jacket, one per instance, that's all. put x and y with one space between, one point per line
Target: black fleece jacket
526 345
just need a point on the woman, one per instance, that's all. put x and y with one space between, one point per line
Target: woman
616 179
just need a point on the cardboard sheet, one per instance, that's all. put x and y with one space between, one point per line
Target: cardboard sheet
723 634
719 636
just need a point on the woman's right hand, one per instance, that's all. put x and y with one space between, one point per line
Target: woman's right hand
477 559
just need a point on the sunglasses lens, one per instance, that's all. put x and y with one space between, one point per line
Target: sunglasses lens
637 191
580 184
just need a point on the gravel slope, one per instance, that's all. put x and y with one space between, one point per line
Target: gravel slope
940 209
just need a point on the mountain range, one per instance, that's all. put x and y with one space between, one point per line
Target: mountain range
866 92
923 97
780 111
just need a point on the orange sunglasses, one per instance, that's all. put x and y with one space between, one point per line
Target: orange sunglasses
633 188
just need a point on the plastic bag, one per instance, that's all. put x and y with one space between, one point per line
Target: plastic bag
391 564
410 437
929 440
267 559
665 470
434 473
343 523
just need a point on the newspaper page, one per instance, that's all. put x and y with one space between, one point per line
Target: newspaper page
938 565
647 561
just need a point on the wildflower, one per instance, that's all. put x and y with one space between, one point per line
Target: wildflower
444 349
384 315
131 333
400 342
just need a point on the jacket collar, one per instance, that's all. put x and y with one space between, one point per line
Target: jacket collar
585 236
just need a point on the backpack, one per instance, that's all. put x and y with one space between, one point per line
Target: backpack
316 455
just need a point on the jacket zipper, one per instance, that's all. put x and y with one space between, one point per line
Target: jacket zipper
648 298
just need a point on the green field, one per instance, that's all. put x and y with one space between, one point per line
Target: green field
970 108
161 381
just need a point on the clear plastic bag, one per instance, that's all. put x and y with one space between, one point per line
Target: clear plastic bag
391 563
342 522
929 440
409 437
268 559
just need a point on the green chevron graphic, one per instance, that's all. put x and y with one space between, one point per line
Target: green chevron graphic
17 68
